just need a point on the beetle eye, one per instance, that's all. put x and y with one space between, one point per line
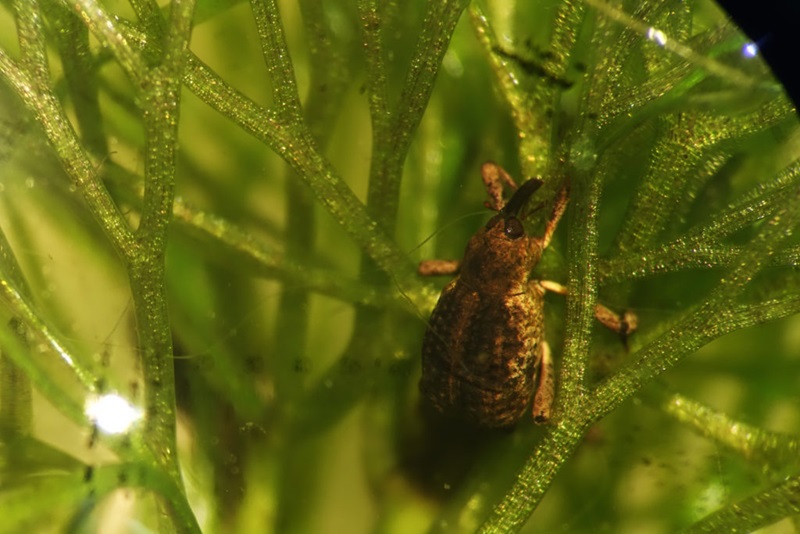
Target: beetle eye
514 228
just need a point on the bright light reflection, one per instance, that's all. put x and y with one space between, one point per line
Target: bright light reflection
657 36
750 50
112 413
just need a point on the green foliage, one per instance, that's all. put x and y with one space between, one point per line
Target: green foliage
215 212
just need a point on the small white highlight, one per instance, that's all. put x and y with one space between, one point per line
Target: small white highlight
657 36
750 50
112 413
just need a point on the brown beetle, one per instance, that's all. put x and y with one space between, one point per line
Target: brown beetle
484 351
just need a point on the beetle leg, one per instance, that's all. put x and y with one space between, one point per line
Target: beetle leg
438 267
545 387
624 324
494 176
554 287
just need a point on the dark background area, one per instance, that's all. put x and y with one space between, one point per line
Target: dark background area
773 26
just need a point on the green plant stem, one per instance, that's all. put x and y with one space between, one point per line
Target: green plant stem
18 352
145 476
755 512
149 14
298 459
285 100
284 130
534 127
81 79
44 339
16 293
295 146
718 315
582 287
38 98
675 46
32 44
299 225
779 451
144 253
16 401
106 30
704 247
329 81
393 127
270 261
537 474
681 256
161 95
10 271
28 338
294 143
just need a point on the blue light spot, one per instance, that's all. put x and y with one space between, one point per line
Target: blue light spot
750 50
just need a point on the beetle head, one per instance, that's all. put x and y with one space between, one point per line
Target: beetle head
503 249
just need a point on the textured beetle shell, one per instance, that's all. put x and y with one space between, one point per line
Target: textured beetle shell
482 347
